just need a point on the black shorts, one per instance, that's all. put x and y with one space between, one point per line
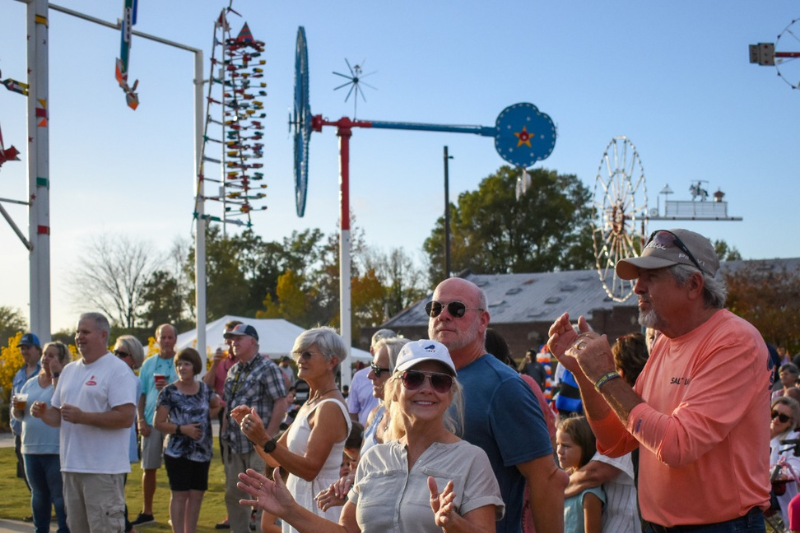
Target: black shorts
186 475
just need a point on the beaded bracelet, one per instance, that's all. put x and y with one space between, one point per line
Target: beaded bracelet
605 378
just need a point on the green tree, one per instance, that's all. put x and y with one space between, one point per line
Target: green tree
548 228
11 322
725 252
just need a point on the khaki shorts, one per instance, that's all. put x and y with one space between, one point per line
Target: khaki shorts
95 503
152 449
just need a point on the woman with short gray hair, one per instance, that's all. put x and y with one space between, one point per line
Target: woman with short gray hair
311 450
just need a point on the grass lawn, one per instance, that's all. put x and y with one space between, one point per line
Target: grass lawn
15 502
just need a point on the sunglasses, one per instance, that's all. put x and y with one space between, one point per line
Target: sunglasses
121 354
667 239
378 370
456 309
304 355
413 380
780 416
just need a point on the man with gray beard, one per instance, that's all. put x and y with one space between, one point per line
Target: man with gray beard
699 411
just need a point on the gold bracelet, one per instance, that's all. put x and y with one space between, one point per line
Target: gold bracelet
605 378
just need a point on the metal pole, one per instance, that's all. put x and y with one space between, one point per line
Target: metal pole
344 133
446 213
200 221
39 169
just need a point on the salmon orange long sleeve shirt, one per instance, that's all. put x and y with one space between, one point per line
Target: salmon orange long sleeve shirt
704 429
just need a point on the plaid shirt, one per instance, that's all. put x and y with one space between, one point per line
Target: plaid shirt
257 383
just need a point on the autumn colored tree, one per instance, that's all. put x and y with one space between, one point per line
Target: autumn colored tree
10 362
768 296
293 301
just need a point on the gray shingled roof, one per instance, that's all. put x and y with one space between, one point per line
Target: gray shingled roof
543 297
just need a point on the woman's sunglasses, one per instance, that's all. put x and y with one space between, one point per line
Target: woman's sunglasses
780 416
413 380
121 354
304 355
378 370
456 309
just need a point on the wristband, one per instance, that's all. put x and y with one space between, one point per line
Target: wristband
55 374
605 378
178 429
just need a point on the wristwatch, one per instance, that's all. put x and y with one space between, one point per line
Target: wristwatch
56 374
270 445
178 429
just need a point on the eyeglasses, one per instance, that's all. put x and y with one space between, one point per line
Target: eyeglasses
780 416
413 380
303 355
378 370
456 309
667 239
121 354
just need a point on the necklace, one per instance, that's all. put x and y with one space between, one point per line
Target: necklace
319 395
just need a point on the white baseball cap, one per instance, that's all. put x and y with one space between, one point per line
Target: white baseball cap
424 350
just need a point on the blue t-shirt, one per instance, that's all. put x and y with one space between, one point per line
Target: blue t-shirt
154 365
573 510
503 418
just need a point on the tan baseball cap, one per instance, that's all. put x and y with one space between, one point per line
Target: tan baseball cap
671 247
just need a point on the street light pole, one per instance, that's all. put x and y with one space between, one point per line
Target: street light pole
447 213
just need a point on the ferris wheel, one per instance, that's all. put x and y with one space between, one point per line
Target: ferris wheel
620 203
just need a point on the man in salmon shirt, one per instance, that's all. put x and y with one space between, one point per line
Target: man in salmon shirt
699 411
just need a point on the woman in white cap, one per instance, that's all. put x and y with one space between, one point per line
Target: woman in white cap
424 480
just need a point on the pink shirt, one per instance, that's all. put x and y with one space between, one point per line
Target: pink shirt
704 431
221 374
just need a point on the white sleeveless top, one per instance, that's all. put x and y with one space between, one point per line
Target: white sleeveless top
304 491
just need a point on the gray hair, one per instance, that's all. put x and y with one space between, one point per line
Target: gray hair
162 326
393 346
715 291
327 340
100 321
133 347
380 335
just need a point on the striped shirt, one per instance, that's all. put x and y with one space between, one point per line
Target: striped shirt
620 514
257 383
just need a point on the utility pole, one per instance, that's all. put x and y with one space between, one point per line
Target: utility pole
447 213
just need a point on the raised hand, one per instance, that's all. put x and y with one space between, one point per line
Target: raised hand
270 496
442 503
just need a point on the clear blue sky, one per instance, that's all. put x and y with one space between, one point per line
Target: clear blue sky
672 76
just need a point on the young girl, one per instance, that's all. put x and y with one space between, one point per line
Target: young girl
575 445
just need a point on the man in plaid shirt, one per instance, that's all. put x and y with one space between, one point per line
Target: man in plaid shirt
256 382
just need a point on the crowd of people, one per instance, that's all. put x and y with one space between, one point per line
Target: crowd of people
664 432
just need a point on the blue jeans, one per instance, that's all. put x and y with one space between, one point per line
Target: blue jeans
752 522
44 475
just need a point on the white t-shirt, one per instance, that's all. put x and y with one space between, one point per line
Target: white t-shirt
96 387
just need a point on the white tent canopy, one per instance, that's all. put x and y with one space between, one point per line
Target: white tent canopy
276 337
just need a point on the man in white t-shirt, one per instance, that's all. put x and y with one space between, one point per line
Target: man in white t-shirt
94 404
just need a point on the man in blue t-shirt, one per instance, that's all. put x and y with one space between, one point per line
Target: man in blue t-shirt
502 415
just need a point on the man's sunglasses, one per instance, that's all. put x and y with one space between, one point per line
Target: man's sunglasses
378 370
667 239
456 309
780 416
121 354
413 380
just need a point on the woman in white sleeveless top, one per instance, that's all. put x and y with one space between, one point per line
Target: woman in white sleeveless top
311 450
